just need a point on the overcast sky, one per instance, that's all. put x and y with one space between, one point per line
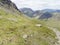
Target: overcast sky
38 4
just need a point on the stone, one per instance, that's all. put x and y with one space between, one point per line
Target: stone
25 36
38 25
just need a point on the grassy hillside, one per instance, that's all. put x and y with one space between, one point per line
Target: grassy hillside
17 29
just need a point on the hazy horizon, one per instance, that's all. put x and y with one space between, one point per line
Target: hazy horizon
38 4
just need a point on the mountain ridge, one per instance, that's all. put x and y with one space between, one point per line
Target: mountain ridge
39 13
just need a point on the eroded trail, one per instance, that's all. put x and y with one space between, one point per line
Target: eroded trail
57 34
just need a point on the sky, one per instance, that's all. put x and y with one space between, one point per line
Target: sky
38 4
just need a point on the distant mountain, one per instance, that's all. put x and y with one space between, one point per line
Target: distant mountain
27 11
40 14
45 15
51 10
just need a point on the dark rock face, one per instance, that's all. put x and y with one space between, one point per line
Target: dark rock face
9 3
6 2
46 15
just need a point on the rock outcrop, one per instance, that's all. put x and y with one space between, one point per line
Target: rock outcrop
8 3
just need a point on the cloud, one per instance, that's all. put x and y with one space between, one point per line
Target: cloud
38 4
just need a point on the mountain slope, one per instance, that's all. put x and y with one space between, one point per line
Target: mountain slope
27 11
17 29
